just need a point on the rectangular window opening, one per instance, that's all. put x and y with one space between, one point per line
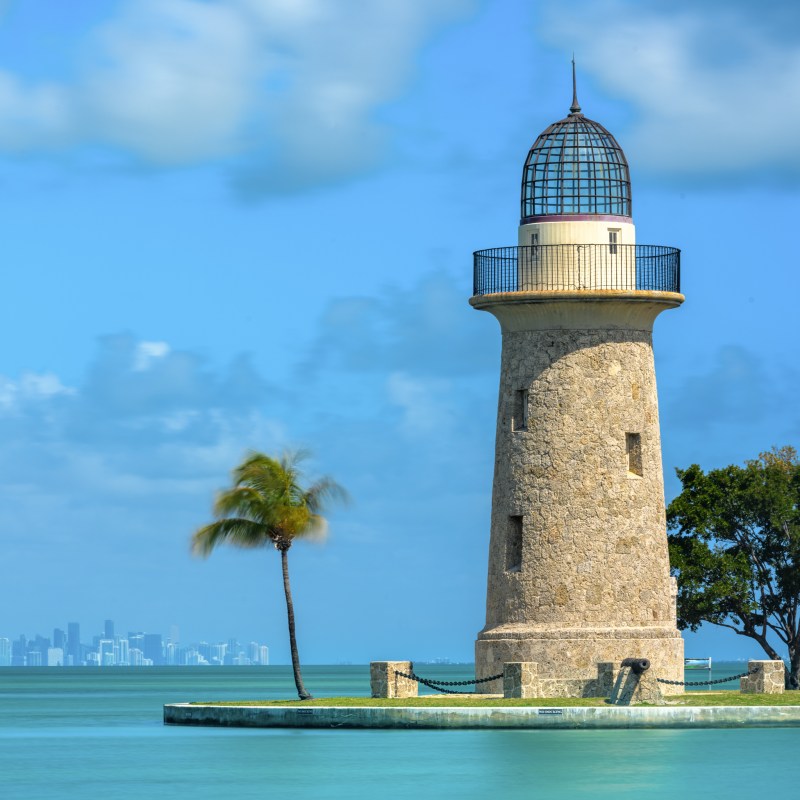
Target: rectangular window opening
613 240
633 450
514 544
519 416
534 247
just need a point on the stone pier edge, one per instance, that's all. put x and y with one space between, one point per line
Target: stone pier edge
528 717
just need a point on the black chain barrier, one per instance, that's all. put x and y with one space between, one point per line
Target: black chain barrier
709 683
439 686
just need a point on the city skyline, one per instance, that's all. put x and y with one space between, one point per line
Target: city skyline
136 649
242 224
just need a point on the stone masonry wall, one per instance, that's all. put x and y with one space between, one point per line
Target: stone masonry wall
578 474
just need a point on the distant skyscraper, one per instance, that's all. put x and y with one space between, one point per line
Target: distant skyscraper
154 648
55 657
136 641
108 629
5 652
34 658
218 653
60 639
174 634
74 642
41 644
195 658
19 648
263 655
105 653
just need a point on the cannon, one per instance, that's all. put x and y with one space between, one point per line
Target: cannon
638 665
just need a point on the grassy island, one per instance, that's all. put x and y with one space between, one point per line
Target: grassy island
721 698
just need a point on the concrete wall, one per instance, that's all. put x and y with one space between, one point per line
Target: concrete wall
577 232
450 718
576 267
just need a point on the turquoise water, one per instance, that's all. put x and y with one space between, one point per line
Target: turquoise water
84 733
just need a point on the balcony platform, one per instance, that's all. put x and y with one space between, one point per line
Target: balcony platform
577 268
586 309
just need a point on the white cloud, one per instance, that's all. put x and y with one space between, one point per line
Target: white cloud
143 410
33 117
147 352
31 387
715 90
420 401
42 385
290 87
173 80
421 330
736 388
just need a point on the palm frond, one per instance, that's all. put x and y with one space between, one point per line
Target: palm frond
260 472
235 530
325 489
315 530
291 459
242 501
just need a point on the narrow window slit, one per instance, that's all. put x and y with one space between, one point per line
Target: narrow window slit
514 544
633 450
519 417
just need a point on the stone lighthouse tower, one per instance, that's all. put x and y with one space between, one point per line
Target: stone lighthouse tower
578 564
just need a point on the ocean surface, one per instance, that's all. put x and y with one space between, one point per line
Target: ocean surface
89 733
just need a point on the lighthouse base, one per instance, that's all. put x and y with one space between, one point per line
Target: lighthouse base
567 659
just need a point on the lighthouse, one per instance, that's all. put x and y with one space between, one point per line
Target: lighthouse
578 564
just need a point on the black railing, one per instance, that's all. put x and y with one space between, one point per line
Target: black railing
578 267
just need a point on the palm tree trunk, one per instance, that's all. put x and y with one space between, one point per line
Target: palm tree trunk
298 678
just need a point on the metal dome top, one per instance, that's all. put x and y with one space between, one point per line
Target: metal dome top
575 167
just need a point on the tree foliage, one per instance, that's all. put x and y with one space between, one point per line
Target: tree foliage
734 547
268 505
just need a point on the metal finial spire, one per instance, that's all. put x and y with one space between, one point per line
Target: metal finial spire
575 108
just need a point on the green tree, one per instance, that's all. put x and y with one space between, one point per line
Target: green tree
734 547
267 505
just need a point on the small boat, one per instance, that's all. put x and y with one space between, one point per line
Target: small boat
697 663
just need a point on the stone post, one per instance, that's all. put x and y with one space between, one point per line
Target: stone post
521 679
385 682
770 678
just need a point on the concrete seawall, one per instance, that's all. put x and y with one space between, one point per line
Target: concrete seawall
486 717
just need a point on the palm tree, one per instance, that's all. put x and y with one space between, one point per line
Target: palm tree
267 505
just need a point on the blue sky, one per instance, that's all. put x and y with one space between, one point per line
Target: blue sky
234 224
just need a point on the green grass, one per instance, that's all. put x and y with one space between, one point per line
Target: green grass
734 698
729 698
421 702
